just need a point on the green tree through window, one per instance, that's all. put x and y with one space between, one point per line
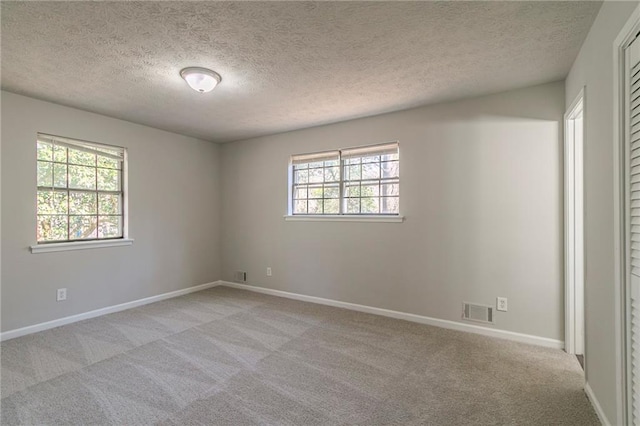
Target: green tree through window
80 191
353 181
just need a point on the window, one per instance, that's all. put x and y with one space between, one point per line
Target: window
80 190
353 181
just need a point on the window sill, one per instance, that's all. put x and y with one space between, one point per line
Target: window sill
343 218
80 245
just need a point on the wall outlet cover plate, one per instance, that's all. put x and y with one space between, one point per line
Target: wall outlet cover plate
501 304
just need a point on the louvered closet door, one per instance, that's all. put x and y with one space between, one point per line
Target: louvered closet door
632 99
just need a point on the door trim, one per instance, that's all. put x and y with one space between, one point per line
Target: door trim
574 226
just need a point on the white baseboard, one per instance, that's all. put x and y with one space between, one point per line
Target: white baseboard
11 334
453 325
596 405
470 328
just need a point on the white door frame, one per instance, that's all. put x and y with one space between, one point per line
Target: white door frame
621 281
574 225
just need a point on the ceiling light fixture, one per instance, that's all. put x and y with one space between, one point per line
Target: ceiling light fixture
201 79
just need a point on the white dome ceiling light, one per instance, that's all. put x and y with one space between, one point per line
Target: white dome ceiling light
201 79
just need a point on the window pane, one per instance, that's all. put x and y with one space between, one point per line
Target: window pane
109 163
60 202
300 207
390 189
331 206
44 151
332 174
81 177
370 190
108 179
60 154
351 190
51 228
109 226
60 175
315 207
301 176
369 205
316 175
331 191
52 202
315 191
45 173
352 172
300 192
95 183
353 205
81 158
371 171
82 203
82 227
109 204
389 205
366 184
44 203
390 169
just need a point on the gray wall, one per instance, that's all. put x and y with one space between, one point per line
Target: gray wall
481 190
594 69
174 217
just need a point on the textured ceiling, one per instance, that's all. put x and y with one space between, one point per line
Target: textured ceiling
284 65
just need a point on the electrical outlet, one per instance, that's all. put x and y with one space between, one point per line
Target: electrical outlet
61 294
269 271
501 304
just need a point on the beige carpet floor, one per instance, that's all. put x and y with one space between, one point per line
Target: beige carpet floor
230 357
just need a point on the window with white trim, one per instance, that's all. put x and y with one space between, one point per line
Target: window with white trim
352 181
80 190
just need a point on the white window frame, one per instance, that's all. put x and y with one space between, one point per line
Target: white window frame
341 217
65 245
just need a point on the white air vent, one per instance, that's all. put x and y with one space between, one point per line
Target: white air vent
479 313
241 277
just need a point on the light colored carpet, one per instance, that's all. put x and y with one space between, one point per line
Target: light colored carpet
226 356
